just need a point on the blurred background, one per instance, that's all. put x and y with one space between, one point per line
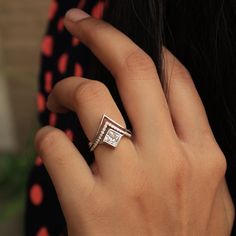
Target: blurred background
22 25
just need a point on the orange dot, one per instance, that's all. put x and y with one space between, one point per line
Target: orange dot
75 41
41 102
48 81
62 63
52 10
38 161
60 25
78 70
69 134
52 119
42 232
97 11
36 194
47 45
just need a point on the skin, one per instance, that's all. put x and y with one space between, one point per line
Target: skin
168 179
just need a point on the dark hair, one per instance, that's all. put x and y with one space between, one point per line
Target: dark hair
202 35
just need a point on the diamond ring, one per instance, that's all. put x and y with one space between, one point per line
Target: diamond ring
109 132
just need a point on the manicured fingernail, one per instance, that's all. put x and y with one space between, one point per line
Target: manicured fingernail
76 14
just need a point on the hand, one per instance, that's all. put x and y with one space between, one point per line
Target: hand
169 179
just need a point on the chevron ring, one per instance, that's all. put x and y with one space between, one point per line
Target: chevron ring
109 132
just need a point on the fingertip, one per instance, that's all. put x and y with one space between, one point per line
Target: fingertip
44 138
76 14
72 20
54 106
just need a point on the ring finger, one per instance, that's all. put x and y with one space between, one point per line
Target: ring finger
90 100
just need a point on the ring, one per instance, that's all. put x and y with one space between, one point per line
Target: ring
109 132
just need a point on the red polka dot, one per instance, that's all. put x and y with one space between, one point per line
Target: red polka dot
52 119
52 10
60 25
62 63
47 46
36 194
42 232
38 161
78 70
97 11
48 81
69 134
75 41
41 102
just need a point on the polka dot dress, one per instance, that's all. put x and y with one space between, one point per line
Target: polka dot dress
62 55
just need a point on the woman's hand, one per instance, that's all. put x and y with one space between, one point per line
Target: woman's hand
169 179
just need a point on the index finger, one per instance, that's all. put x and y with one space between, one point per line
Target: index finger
134 72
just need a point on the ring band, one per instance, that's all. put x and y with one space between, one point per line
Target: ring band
109 132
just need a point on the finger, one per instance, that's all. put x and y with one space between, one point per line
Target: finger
134 71
187 110
90 100
68 170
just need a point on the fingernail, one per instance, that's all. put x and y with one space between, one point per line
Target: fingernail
76 14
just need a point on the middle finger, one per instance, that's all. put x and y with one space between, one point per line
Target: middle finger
135 73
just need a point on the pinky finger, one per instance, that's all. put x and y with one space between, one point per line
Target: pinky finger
70 174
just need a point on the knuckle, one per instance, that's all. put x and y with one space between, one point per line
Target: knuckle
217 166
214 157
89 91
137 60
215 171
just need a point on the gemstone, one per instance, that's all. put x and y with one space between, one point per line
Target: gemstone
112 137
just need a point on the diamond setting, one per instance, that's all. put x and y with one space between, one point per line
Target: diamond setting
112 137
109 132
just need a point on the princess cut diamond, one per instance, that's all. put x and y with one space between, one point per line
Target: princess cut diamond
112 137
